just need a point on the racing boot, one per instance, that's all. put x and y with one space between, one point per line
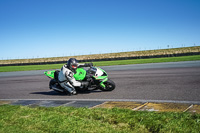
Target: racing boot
73 92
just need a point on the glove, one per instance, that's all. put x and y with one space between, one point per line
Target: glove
89 64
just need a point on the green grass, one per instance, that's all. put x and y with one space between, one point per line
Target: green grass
23 119
29 67
151 60
102 63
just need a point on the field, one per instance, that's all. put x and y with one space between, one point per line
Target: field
24 119
101 63
140 54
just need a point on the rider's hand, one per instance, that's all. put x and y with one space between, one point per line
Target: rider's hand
89 64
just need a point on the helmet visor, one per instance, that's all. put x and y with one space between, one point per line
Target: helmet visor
74 66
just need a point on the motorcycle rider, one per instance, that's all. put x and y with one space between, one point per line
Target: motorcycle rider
66 76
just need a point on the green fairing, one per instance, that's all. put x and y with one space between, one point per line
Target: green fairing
102 70
104 78
50 73
100 77
80 74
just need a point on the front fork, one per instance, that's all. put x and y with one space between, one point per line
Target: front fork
102 83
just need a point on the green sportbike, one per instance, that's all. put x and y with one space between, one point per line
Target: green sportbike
97 78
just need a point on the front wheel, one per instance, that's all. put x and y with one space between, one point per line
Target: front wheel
109 86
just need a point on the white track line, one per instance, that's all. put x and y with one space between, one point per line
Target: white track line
121 100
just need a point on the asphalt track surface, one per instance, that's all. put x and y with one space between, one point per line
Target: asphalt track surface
172 82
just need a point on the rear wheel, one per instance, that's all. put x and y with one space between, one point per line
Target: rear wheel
109 86
52 82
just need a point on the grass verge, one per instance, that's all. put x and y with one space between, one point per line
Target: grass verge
25 119
102 63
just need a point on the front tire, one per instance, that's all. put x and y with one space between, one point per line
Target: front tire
110 85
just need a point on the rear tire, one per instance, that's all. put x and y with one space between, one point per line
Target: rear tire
110 85
52 83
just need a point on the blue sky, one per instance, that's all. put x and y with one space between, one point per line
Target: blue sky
51 28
